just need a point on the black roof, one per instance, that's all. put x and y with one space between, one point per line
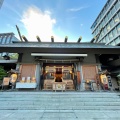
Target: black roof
55 47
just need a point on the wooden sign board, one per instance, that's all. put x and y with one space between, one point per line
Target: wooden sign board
6 80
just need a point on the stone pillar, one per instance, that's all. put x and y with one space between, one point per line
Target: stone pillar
38 74
17 66
82 85
78 66
75 75
78 70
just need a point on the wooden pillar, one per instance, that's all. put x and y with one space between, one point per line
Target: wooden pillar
38 74
80 76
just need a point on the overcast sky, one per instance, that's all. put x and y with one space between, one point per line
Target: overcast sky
46 18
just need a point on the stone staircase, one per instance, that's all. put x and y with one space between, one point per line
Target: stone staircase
60 105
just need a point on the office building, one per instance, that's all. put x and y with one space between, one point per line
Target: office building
106 27
6 57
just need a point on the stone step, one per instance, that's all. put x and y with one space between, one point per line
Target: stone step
58 93
42 97
61 95
59 103
68 98
62 99
57 107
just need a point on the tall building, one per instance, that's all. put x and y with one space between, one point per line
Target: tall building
106 27
7 38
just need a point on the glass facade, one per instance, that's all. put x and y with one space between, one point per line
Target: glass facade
107 24
7 38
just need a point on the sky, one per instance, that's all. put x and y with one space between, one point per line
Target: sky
46 18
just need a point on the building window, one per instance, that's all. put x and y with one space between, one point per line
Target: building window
8 40
102 14
110 2
94 24
117 5
114 32
101 41
107 6
92 28
99 17
106 19
117 40
107 39
105 31
0 39
102 23
102 34
97 30
14 39
116 19
113 10
104 41
108 27
3 40
119 14
112 43
111 23
118 29
109 15
93 33
104 10
100 37
110 35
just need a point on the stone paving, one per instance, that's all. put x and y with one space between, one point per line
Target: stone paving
59 106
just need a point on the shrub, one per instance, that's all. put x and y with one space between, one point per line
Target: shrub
3 73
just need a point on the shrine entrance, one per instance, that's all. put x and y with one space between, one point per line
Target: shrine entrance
58 77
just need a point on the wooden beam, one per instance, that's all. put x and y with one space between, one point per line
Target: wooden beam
38 38
25 39
52 39
80 38
66 38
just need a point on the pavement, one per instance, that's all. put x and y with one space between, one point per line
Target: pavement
39 105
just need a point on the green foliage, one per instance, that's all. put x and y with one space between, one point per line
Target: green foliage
3 73
118 76
13 56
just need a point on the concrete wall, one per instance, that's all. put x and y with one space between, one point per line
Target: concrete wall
90 59
27 58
